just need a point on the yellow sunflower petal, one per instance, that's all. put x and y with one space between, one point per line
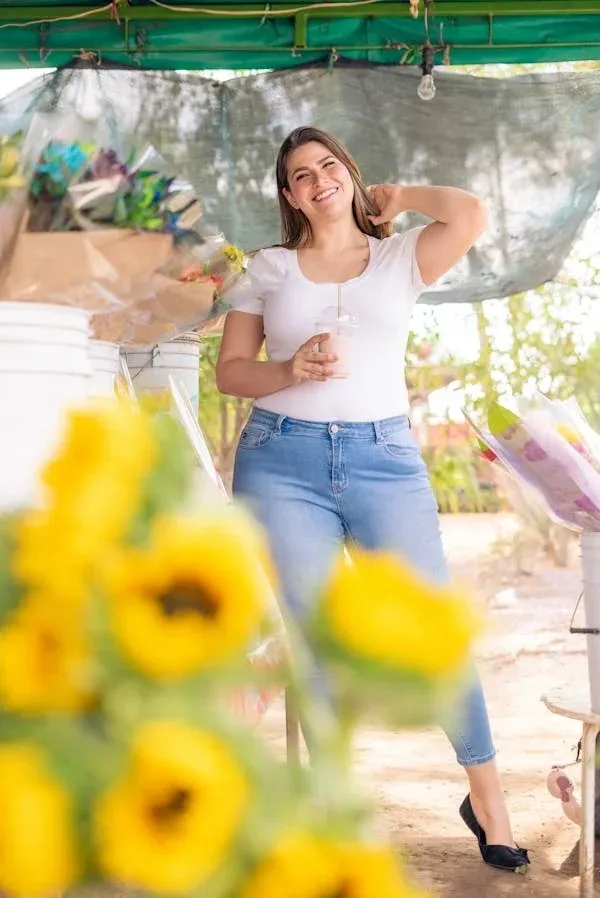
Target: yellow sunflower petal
300 866
38 855
373 871
35 560
44 659
193 598
168 824
303 865
93 488
381 610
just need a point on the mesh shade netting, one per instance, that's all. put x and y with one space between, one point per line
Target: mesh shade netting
530 145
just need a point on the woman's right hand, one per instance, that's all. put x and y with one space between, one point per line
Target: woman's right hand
309 363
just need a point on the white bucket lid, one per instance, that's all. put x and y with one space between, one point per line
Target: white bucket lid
43 315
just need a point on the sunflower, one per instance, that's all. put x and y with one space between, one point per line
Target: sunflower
381 610
38 854
93 489
44 659
306 866
169 823
192 599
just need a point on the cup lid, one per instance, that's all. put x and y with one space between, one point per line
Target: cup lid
333 315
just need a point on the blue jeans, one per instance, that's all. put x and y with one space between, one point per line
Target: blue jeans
314 486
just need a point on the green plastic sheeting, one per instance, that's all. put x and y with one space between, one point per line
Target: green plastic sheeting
249 35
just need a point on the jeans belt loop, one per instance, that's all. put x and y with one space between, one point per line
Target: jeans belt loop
379 437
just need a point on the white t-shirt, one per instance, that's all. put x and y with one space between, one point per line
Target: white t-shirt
381 300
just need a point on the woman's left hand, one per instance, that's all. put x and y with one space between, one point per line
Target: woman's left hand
387 198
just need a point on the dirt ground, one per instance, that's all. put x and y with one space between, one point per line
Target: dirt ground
411 778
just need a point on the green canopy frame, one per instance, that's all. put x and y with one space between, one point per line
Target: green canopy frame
188 34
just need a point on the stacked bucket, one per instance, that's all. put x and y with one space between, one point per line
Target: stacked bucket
48 364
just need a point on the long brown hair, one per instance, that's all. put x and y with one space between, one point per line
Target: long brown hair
295 227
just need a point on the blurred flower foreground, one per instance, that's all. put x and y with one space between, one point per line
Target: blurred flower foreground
127 621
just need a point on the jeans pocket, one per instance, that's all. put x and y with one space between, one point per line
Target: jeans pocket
253 437
401 444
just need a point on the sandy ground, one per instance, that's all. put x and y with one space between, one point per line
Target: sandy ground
411 778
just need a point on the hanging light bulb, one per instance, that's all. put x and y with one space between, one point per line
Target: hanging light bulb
426 88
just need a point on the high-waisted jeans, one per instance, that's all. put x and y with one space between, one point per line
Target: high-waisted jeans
314 486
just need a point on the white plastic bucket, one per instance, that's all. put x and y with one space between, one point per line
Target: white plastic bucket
590 558
104 359
180 359
44 371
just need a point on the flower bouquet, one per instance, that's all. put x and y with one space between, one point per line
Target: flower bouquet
192 285
550 447
125 623
86 225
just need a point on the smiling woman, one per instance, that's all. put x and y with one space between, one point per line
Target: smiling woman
326 459
322 174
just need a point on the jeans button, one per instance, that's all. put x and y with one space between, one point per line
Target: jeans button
334 428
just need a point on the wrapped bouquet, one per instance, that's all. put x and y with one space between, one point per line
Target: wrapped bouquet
191 286
87 225
550 447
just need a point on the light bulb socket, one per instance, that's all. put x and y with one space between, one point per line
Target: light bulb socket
427 58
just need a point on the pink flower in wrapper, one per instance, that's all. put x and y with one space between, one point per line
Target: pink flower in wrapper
537 448
586 504
534 452
190 274
193 273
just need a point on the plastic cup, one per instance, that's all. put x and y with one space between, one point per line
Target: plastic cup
340 342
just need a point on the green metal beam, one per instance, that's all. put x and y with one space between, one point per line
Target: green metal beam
169 50
250 57
337 9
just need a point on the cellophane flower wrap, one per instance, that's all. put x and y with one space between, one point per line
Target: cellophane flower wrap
109 229
549 446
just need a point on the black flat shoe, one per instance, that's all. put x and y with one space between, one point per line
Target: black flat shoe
500 856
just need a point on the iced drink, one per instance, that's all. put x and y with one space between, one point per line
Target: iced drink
341 329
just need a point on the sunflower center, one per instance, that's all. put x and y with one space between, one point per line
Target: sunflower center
48 646
166 812
185 597
344 890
